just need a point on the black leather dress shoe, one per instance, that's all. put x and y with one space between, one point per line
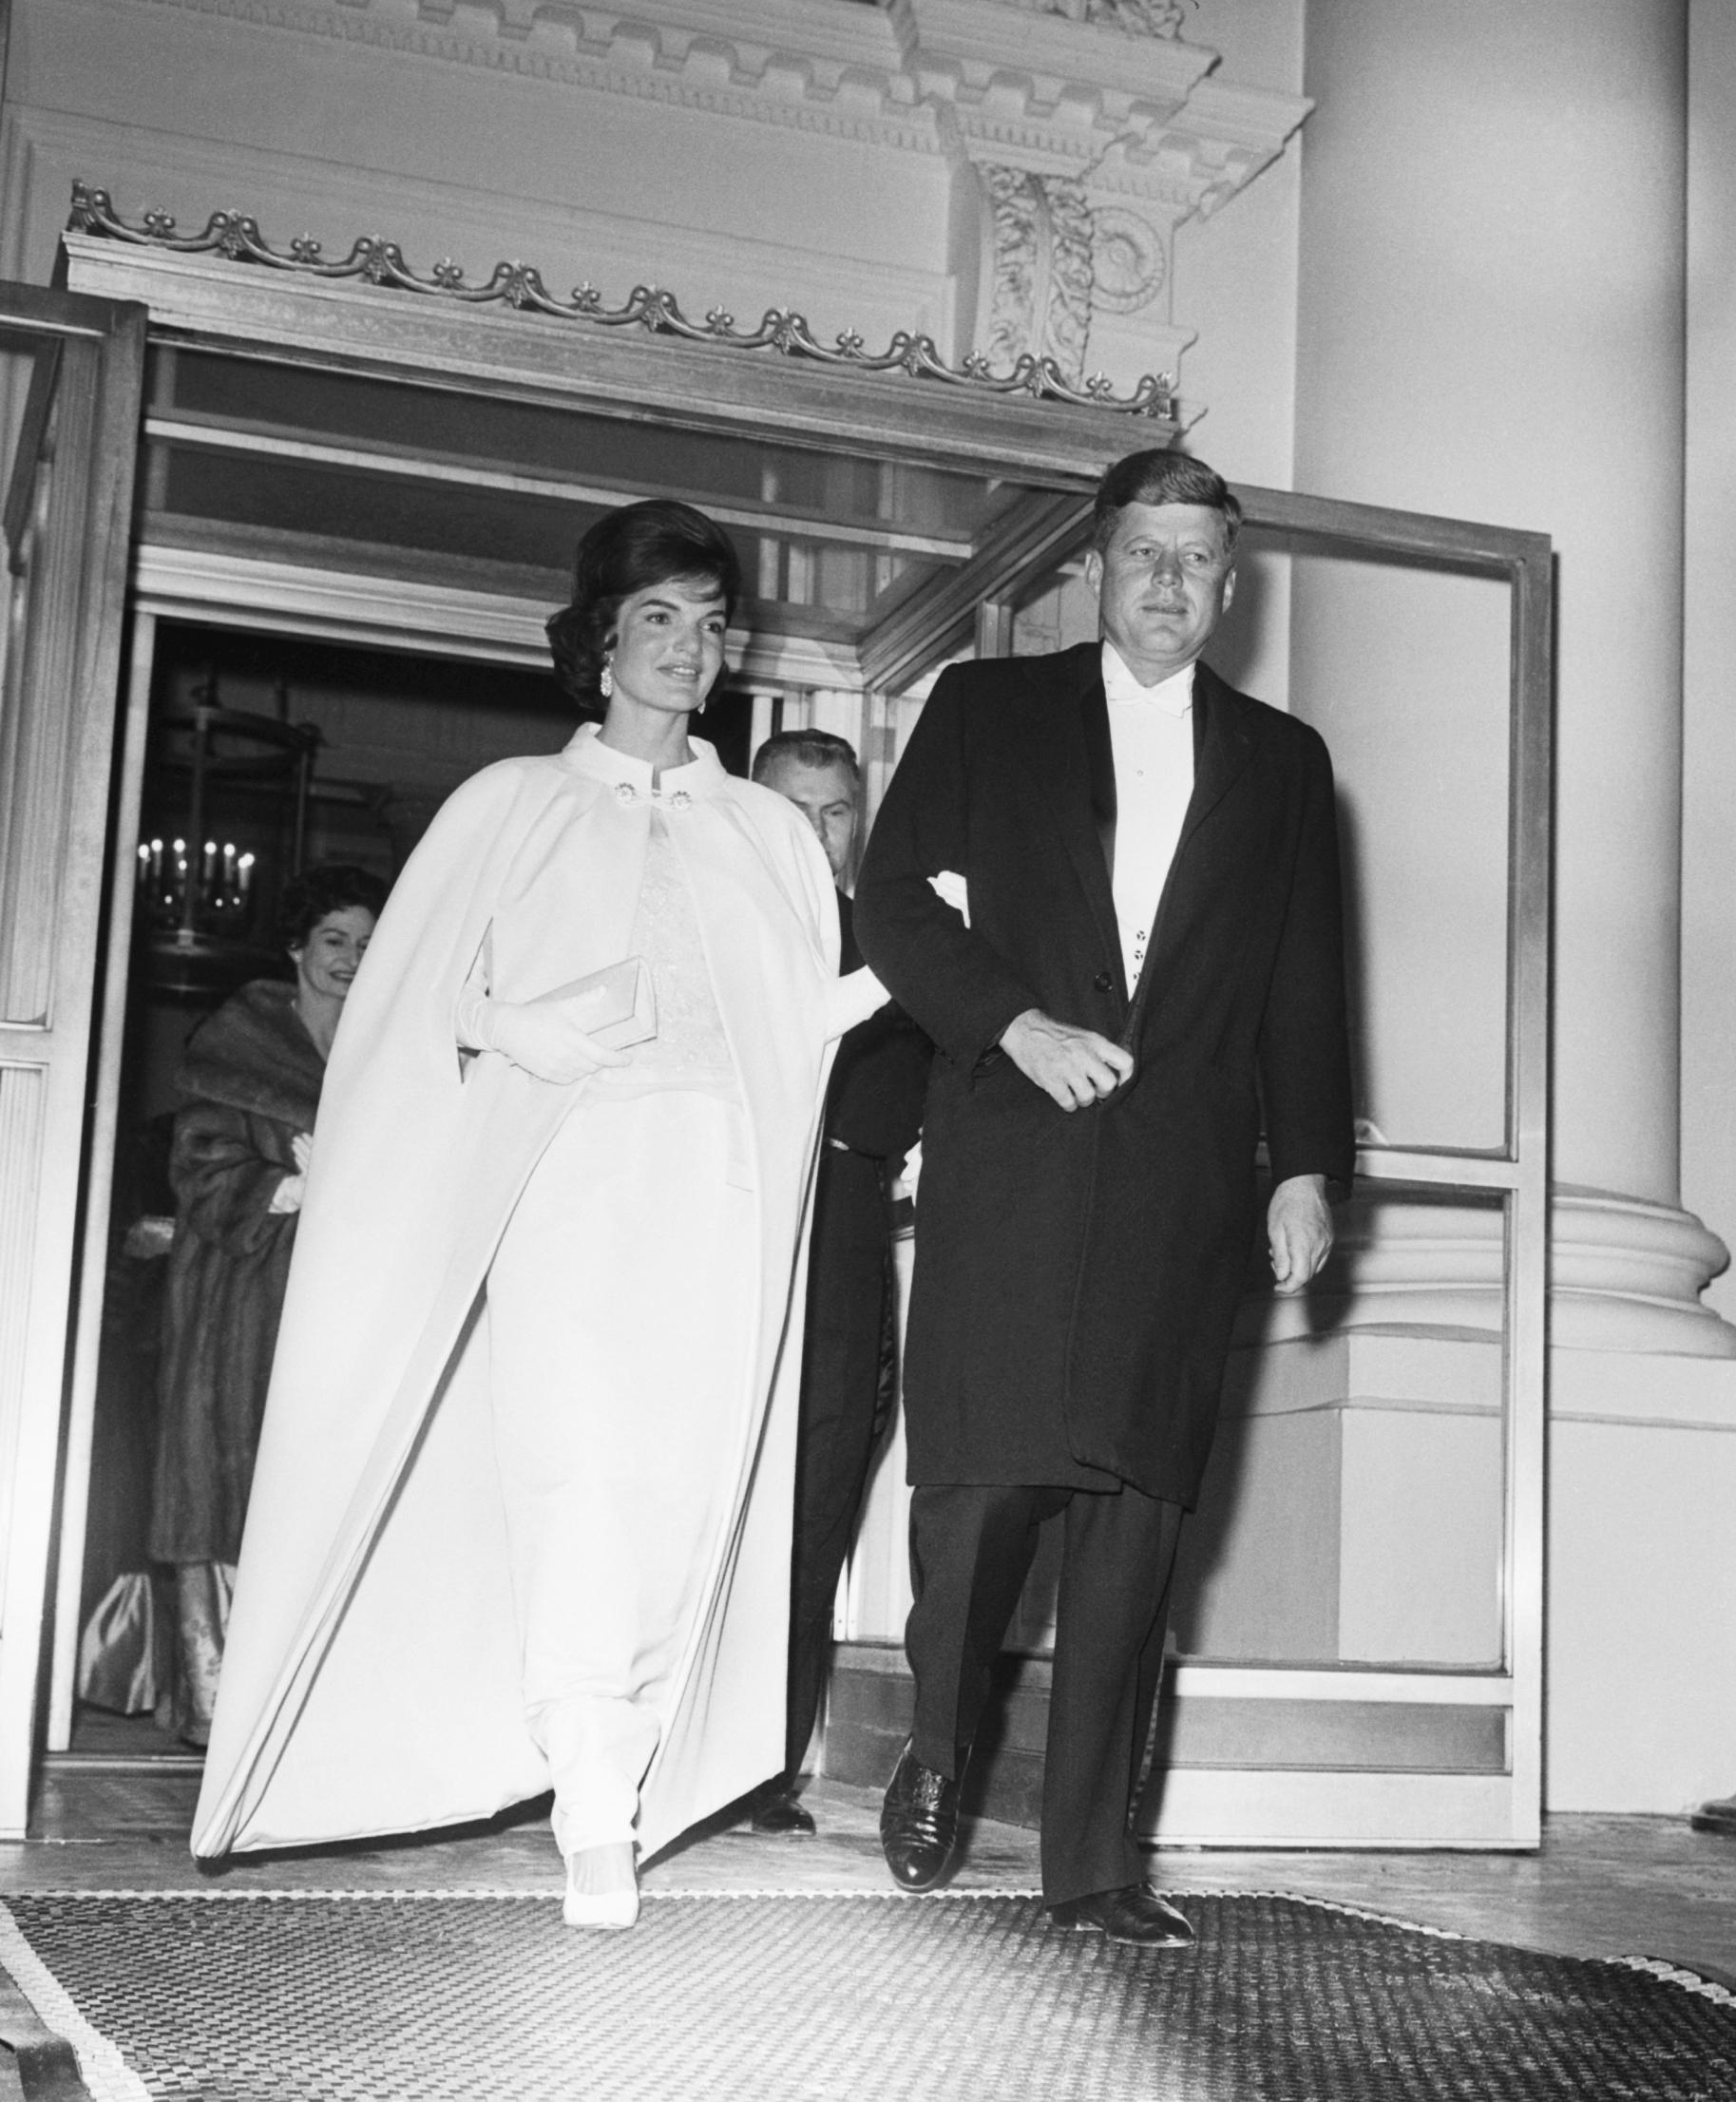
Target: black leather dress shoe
1135 1915
919 1823
777 1811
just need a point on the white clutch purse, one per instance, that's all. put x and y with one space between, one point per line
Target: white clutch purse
616 1004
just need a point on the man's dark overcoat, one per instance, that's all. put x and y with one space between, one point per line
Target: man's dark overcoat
1078 1272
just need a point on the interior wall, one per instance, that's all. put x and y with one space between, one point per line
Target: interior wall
1235 281
1259 42
1234 273
1708 671
1491 303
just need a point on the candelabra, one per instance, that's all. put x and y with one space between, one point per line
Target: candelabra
239 786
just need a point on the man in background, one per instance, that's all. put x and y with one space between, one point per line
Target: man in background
873 1114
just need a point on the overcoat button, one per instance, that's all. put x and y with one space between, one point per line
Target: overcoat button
1103 982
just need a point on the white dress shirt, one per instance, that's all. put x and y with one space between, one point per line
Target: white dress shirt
1151 735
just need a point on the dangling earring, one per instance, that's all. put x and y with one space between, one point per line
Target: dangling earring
605 685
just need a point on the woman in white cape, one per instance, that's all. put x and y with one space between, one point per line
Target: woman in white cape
522 1511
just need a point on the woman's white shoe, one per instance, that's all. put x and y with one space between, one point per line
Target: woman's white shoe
598 1908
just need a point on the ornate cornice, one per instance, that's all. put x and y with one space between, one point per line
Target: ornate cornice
1101 90
841 76
1131 116
518 286
968 52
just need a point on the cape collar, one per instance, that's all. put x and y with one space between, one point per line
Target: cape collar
586 754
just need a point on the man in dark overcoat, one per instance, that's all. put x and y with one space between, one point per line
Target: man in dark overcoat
1107 887
873 1117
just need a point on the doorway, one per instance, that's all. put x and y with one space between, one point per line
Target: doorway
265 754
339 583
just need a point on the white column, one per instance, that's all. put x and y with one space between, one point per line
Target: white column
1709 772
1491 299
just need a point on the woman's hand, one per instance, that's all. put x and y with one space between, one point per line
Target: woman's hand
851 1000
543 1038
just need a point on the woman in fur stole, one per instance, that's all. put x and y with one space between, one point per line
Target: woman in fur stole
250 1083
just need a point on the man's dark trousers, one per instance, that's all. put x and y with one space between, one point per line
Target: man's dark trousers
845 1397
873 1116
970 1551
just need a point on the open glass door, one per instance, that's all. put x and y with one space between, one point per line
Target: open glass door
79 364
1360 1630
1357 1623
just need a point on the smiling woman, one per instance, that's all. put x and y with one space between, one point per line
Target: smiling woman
642 643
668 652
326 959
525 1496
250 1086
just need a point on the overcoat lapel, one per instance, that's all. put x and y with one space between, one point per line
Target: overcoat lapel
1223 744
1064 719
1100 766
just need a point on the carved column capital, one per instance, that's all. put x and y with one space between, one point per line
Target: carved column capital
1037 268
1054 256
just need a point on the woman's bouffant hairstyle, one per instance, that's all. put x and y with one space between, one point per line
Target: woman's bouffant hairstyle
328 886
629 550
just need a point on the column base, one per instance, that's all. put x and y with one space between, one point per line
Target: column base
1624 1276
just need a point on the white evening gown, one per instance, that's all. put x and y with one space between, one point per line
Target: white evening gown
621 1307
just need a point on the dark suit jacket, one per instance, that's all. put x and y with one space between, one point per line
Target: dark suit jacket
880 1075
1077 1272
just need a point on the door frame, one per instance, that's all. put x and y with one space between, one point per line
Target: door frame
68 521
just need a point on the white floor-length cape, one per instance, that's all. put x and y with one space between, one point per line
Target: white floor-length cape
369 1680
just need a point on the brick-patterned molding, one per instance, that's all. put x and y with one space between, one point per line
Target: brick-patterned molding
1103 90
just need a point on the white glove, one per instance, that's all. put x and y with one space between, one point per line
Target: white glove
287 1197
541 1036
851 1000
910 1174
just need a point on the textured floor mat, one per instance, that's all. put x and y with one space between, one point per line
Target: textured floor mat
265 1999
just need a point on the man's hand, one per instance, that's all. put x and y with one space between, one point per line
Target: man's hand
1072 1066
1299 1230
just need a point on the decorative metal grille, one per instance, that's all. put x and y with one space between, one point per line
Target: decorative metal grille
520 286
